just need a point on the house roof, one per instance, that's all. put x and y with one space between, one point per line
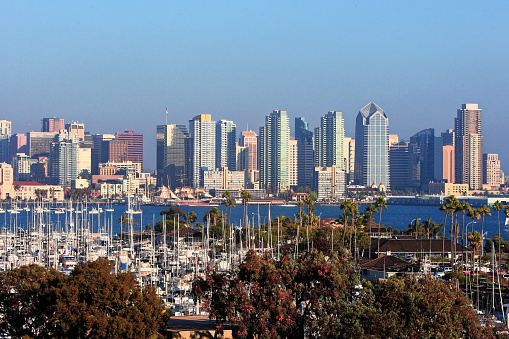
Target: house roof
416 246
27 183
390 263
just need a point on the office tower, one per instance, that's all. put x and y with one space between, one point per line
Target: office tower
448 137
114 151
329 139
468 146
97 140
330 182
52 124
18 144
448 166
171 155
491 175
249 139
422 147
39 143
402 175
349 159
203 134
293 162
76 128
274 139
372 146
21 166
242 157
226 137
134 146
64 160
5 136
84 161
306 154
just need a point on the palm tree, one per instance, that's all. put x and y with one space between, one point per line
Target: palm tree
444 208
346 208
497 206
370 209
483 210
227 196
380 203
475 241
246 197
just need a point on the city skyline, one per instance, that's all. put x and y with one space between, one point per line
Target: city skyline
118 66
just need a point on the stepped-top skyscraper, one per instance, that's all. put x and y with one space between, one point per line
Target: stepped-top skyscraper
274 151
329 138
203 135
372 146
468 150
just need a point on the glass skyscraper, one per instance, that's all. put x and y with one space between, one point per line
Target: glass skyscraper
372 146
329 138
226 136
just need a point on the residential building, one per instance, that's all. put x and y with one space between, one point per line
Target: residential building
21 167
64 155
6 181
274 152
249 139
305 153
372 146
329 138
203 137
76 128
171 154
223 179
468 143
293 158
84 160
226 137
491 175
330 182
447 189
349 158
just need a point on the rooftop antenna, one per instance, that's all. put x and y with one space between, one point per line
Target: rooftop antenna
166 115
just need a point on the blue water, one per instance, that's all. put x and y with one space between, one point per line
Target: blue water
397 216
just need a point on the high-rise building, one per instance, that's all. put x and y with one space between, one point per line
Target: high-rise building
84 160
372 146
274 162
448 166
491 175
330 182
402 174
349 158
306 154
249 139
203 138
242 157
64 155
18 144
134 146
171 154
114 151
39 143
52 124
226 137
293 157
468 146
5 137
76 128
21 166
97 140
422 148
329 138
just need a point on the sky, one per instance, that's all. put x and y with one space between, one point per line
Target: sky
117 65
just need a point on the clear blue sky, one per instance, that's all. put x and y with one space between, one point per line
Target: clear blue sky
117 65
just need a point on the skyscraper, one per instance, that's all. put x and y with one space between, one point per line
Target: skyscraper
5 136
329 138
422 149
491 175
468 146
372 146
293 162
171 154
134 146
52 124
305 153
203 135
249 139
226 136
64 160
274 140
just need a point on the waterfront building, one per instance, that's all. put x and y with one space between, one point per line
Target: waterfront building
5 136
52 124
134 145
249 139
372 146
492 172
468 143
226 137
64 160
76 128
274 152
21 166
171 154
223 179
329 138
293 158
203 137
330 182
305 153
447 189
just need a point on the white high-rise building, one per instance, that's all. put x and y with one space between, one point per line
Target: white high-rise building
491 175
203 133
64 155
225 144
293 164
21 166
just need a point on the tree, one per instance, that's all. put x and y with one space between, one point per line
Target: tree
246 197
475 242
483 210
497 206
91 302
380 204
370 209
